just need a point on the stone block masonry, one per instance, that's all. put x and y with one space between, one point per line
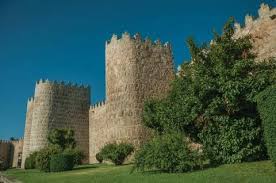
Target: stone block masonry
136 70
262 30
27 132
11 152
57 105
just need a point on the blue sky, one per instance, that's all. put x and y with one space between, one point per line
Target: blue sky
65 40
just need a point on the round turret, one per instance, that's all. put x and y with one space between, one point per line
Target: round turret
59 105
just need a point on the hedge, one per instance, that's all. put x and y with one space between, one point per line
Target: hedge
30 162
266 102
117 153
61 162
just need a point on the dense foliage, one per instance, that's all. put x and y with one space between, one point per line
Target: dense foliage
267 108
3 165
212 99
61 146
169 153
62 137
61 162
77 154
44 156
117 153
99 157
30 162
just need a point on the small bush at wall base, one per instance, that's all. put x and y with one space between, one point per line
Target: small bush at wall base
61 162
168 153
117 153
76 153
3 165
30 162
44 156
99 157
266 102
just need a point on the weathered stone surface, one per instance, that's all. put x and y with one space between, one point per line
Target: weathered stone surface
136 70
17 152
11 152
57 105
27 132
263 32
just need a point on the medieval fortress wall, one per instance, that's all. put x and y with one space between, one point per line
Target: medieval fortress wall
57 105
27 132
136 70
262 31
11 152
17 147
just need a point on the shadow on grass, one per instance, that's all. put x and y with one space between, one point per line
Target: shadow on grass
85 167
153 172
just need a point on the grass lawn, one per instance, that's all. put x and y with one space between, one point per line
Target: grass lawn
246 172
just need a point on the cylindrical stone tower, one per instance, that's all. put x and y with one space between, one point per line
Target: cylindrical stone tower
27 132
59 105
136 70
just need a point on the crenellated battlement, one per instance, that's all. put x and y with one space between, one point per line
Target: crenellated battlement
5 141
30 102
262 32
137 40
62 83
31 99
97 105
264 13
11 141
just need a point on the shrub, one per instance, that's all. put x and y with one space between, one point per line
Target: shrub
117 153
99 157
30 162
44 156
77 155
3 165
168 153
62 137
212 100
61 162
266 102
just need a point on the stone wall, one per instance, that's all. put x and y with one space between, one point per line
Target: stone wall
136 70
27 132
98 126
262 30
5 152
17 152
60 105
11 152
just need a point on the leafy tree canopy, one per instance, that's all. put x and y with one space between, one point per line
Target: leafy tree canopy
64 138
212 99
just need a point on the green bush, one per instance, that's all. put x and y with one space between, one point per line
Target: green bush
3 165
30 162
266 102
117 153
168 153
61 162
64 138
44 156
212 100
76 153
99 157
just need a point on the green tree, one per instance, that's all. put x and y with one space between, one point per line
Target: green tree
212 100
169 152
267 107
64 138
117 153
